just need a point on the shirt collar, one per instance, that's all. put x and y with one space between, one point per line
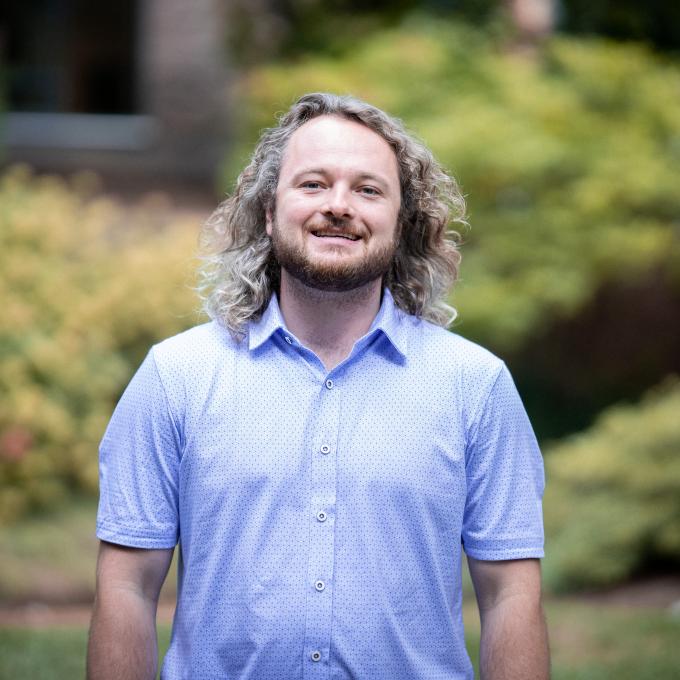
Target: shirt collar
390 321
271 321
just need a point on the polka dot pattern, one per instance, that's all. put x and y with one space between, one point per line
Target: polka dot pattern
321 516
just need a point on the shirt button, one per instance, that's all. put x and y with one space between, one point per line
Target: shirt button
315 656
319 585
329 384
321 516
325 449
288 340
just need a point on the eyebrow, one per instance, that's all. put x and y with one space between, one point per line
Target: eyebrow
320 171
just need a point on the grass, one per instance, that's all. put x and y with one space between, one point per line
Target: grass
54 561
50 653
589 642
42 654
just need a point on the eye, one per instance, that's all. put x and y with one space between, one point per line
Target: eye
311 184
369 191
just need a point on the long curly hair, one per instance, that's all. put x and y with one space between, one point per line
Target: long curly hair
239 272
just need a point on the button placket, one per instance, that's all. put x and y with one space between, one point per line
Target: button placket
323 461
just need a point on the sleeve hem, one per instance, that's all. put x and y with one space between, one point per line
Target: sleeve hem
491 555
132 540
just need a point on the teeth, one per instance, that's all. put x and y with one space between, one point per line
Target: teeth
349 237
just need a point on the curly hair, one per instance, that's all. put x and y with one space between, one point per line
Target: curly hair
239 272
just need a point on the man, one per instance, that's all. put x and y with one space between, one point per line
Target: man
323 449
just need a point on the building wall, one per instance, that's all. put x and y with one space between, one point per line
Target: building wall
178 128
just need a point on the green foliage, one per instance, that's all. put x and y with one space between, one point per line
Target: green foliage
55 560
86 287
655 21
592 640
50 561
570 159
259 32
612 504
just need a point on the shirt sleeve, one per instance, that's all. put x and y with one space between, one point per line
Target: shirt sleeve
505 480
139 460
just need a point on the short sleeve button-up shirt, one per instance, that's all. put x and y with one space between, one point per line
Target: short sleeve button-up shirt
320 516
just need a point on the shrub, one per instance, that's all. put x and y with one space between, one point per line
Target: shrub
612 503
570 159
86 287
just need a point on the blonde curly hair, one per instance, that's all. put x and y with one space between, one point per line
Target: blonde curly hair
239 272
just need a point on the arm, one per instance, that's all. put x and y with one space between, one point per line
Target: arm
122 642
514 642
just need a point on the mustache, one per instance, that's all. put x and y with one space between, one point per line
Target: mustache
332 222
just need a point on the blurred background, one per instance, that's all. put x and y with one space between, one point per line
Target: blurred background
123 124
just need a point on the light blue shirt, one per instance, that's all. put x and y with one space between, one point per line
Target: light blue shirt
320 515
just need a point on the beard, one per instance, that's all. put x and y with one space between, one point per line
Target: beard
334 276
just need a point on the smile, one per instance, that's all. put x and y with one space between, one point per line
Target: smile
335 234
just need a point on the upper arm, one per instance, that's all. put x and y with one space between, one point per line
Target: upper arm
496 581
139 463
504 480
138 570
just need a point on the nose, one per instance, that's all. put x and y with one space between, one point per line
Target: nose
339 203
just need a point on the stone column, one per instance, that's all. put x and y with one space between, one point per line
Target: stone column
183 82
533 19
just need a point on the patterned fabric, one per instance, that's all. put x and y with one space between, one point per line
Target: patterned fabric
320 515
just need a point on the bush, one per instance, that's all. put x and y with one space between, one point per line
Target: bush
570 159
86 287
612 504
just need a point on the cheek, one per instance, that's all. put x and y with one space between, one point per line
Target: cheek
387 219
296 211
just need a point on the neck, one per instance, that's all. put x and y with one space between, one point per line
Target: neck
328 322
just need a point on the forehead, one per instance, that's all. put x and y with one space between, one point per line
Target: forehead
339 143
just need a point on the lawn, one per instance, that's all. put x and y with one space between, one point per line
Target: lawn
53 561
589 642
49 653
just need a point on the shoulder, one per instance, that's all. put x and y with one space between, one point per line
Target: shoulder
206 337
187 364
196 350
460 375
452 353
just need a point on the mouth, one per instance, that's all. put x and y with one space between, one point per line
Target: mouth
336 234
